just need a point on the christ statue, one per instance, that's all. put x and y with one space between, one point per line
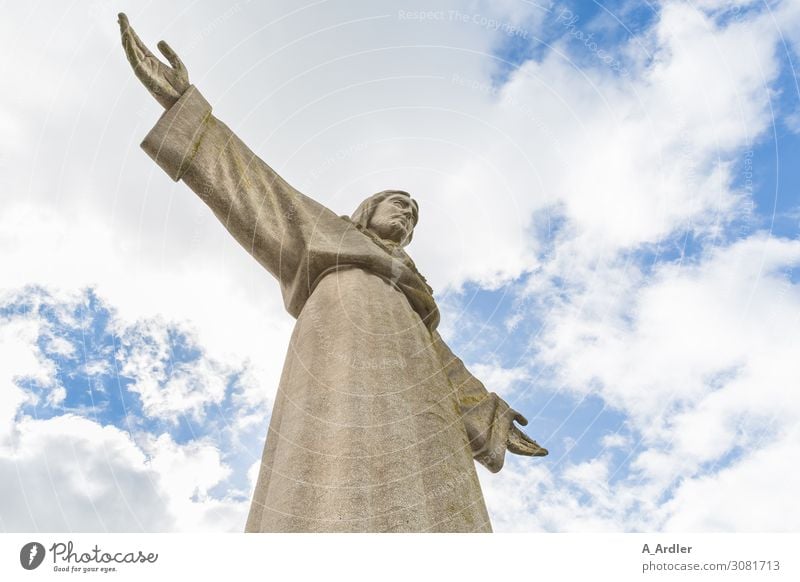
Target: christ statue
376 425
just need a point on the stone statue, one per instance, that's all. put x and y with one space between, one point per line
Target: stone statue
376 423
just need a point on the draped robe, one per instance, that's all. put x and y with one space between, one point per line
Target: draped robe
376 423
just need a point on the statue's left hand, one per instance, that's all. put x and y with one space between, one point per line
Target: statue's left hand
521 444
165 83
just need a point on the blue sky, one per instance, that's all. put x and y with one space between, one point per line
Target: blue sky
614 250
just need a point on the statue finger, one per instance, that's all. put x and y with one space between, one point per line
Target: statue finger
127 30
540 451
520 419
172 57
537 451
532 446
132 51
528 440
529 447
135 49
124 25
523 439
518 447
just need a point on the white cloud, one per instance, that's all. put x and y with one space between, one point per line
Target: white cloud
65 256
97 368
701 360
186 473
528 497
60 346
71 474
649 154
498 379
615 440
168 386
21 361
684 335
623 160
747 496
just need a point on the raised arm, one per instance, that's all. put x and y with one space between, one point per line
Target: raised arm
489 420
268 217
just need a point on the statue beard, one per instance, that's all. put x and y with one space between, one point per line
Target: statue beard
393 230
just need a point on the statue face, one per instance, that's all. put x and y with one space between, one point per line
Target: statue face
393 218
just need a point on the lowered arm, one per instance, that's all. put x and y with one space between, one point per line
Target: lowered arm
488 419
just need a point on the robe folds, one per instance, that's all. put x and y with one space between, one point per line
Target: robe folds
376 423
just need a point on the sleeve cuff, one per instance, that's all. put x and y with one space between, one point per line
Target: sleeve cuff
175 138
488 424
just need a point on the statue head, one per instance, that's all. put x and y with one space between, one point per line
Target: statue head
391 215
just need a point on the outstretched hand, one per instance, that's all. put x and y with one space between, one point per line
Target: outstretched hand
165 83
521 444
